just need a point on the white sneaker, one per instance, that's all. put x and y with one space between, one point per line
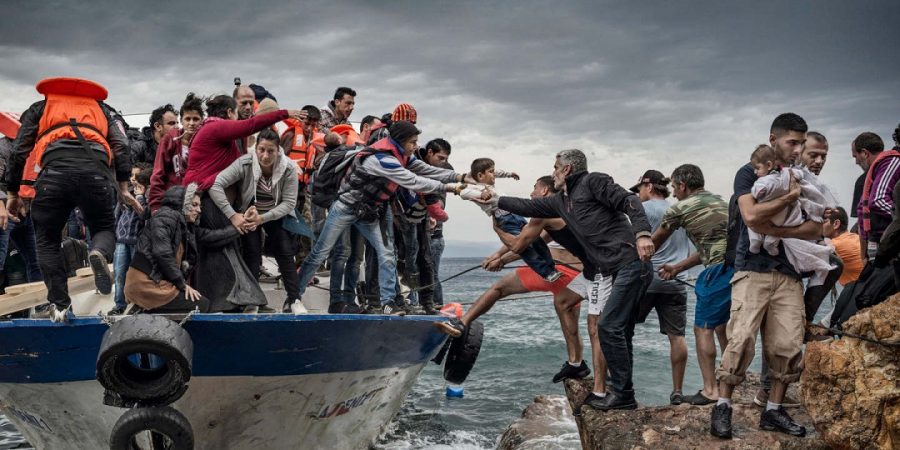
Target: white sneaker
57 316
297 308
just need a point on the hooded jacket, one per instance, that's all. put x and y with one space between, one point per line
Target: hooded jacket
168 167
143 149
597 211
158 243
246 171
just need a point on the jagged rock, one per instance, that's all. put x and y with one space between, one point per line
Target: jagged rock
851 388
685 426
548 415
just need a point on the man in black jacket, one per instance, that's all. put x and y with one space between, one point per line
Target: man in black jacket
162 120
595 209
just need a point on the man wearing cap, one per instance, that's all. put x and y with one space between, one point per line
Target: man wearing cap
404 111
667 297
374 177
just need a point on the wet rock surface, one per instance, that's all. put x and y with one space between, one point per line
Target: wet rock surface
851 388
544 424
685 426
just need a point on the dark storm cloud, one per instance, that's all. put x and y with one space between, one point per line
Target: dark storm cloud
635 84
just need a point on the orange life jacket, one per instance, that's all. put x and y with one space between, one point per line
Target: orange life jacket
304 151
71 111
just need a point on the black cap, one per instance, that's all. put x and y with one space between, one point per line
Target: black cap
651 176
402 130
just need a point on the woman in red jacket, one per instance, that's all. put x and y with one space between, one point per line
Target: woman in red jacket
221 274
172 153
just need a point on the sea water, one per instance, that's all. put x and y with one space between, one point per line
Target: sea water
522 349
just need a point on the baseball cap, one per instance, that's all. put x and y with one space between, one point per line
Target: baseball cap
651 176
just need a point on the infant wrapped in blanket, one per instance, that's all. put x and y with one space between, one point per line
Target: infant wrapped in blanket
815 197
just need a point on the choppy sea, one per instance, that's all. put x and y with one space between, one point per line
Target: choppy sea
523 347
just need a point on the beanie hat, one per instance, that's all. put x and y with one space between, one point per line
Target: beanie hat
403 130
266 105
404 111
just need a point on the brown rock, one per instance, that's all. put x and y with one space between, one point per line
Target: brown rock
548 415
851 388
684 426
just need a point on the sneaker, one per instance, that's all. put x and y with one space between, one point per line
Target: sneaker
40 312
116 311
297 308
615 401
676 398
555 275
453 327
762 397
345 308
373 309
266 309
102 277
393 309
779 420
429 310
570 371
700 399
57 316
251 309
720 422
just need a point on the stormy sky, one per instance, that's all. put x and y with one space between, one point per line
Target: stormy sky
636 85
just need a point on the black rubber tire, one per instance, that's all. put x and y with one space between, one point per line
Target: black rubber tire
463 353
145 333
165 421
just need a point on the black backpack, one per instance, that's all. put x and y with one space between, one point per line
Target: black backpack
75 255
875 285
326 181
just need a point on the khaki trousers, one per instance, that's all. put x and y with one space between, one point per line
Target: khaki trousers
770 303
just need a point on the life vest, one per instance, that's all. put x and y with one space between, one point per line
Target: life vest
72 112
865 208
304 151
374 188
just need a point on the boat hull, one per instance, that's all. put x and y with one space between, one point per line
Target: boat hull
276 381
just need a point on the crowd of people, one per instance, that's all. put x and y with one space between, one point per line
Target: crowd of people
186 214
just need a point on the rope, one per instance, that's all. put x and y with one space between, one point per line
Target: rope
835 331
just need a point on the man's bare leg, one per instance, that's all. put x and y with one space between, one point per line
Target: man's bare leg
678 353
566 304
597 354
506 286
706 359
723 337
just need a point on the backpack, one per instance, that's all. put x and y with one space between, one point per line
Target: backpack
326 182
875 284
75 255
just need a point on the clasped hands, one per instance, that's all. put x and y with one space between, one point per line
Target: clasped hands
248 221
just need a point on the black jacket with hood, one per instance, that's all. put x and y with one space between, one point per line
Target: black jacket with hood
597 211
165 230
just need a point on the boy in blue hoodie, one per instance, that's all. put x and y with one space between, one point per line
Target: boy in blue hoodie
128 226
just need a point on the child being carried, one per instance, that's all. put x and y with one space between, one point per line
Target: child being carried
775 181
537 255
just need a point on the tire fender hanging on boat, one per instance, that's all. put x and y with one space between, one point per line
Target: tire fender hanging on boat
162 421
145 360
463 352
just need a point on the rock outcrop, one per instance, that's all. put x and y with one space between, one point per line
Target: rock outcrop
851 388
685 426
548 418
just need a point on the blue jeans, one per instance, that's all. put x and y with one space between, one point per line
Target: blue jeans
22 236
537 255
121 261
617 322
437 249
337 261
340 218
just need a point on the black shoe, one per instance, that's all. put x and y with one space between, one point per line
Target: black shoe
265 309
429 310
102 277
700 399
592 401
345 308
286 308
720 422
570 371
779 420
676 398
613 400
117 311
393 309
453 327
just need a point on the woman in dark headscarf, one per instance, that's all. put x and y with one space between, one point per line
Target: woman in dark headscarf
167 250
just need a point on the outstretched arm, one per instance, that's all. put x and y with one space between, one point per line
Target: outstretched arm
544 207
